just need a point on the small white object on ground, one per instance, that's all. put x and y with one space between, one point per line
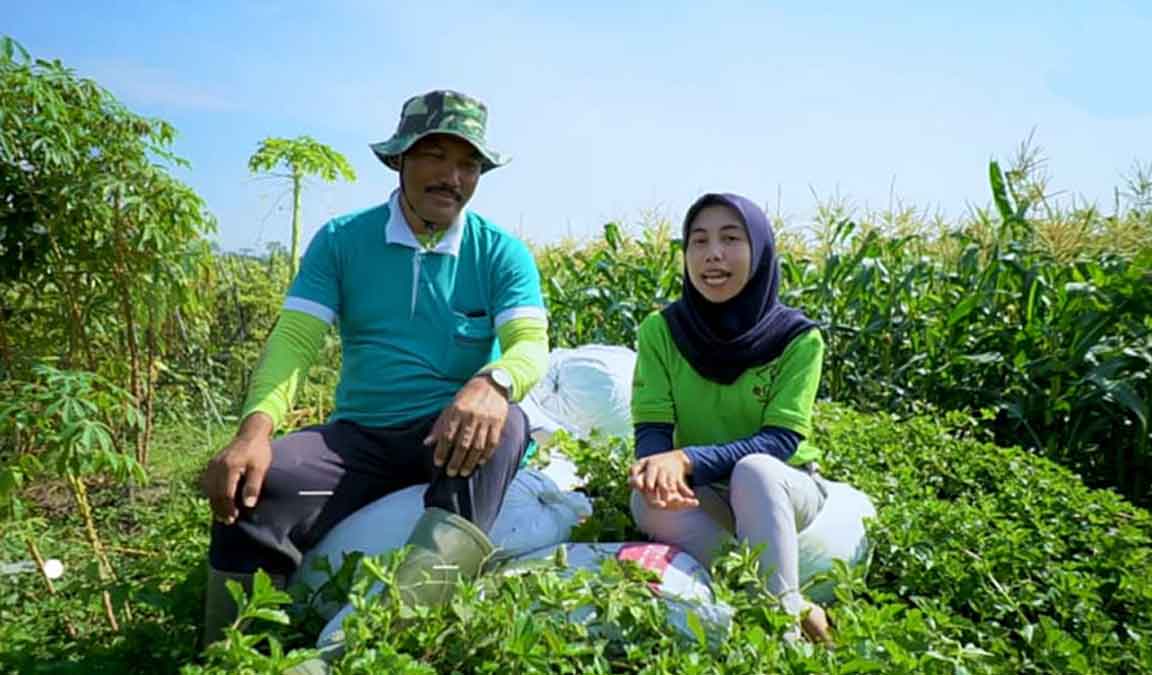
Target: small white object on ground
53 568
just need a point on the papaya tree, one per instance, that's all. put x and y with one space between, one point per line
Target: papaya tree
297 159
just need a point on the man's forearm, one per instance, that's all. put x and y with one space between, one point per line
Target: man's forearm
524 346
288 354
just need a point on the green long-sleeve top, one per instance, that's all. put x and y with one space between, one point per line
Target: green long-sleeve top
297 338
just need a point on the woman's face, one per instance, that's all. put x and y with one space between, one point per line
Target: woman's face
718 253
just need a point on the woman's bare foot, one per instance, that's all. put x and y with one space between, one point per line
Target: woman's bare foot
814 623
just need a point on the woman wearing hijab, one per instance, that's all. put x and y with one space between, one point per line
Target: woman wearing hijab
725 382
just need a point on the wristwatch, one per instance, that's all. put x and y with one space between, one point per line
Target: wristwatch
501 379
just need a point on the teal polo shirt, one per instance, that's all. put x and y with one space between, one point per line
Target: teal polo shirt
415 324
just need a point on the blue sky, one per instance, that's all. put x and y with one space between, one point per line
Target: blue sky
612 112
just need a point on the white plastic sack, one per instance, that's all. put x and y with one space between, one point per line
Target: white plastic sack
535 513
685 585
587 388
837 533
562 471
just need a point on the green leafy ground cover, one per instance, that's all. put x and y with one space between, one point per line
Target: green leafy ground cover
986 560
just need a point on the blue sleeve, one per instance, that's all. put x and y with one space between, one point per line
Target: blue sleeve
652 438
515 284
316 288
713 463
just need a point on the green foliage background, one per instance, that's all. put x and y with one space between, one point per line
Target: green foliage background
986 560
980 373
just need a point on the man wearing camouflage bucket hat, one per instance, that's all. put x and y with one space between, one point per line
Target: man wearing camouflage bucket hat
443 330
440 112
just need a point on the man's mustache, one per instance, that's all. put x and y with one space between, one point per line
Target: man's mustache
455 194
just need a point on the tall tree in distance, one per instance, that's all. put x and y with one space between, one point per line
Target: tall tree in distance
302 156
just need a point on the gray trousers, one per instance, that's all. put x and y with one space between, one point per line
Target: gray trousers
321 475
767 502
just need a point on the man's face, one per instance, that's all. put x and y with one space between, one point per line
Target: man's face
440 175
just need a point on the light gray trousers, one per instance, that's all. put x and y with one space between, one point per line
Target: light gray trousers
767 502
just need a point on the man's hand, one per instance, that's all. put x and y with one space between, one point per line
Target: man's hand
468 431
662 479
248 455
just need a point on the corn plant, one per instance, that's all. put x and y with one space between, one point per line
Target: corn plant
1058 348
601 293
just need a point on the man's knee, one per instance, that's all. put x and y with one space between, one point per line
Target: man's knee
294 467
514 437
515 426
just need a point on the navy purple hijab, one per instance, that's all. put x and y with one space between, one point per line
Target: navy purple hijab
722 340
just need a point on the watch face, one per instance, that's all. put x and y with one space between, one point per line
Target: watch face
501 378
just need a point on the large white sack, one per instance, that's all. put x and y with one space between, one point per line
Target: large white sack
685 585
837 533
535 513
585 389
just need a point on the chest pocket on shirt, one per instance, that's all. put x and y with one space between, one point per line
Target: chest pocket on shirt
471 345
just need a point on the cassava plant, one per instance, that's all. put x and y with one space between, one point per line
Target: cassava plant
66 423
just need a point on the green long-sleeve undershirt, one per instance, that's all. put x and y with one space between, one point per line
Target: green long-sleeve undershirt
297 337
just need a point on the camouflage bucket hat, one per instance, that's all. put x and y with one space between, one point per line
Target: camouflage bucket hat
439 112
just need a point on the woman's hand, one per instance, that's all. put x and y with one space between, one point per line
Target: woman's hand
662 479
